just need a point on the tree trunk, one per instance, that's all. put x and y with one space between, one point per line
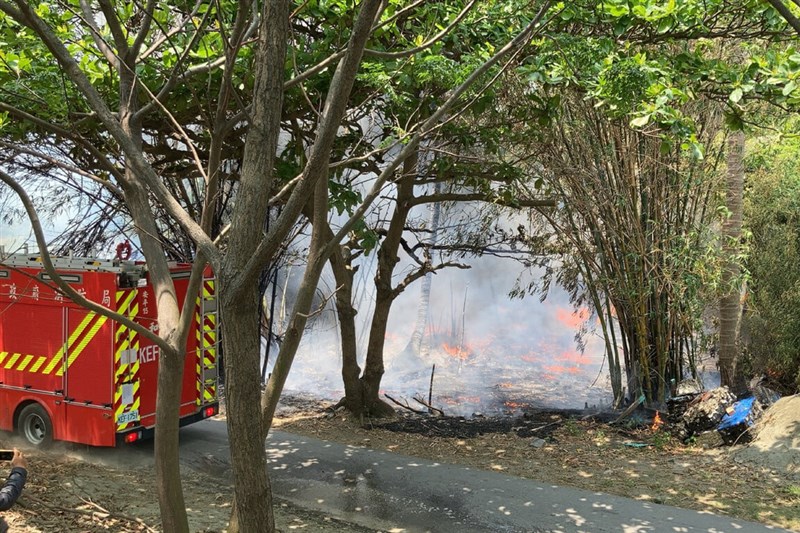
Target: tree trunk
170 369
730 302
243 389
374 368
302 306
170 364
423 309
343 274
385 293
239 281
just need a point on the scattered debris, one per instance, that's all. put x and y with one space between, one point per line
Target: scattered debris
538 443
706 411
431 409
405 405
692 413
736 424
539 424
676 407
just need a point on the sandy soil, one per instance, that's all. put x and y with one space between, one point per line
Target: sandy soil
67 493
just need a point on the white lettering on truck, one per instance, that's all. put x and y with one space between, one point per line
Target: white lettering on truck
148 354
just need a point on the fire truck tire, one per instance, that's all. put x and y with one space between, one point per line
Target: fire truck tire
34 425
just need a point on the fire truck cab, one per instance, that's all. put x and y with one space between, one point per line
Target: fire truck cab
69 374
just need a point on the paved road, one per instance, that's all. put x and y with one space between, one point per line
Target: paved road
392 492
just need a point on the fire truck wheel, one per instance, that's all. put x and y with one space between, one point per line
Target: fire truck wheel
35 426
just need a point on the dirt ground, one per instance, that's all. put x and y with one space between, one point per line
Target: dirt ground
68 493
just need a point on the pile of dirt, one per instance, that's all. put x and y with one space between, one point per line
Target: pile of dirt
776 445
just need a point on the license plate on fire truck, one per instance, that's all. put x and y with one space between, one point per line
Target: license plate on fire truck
130 416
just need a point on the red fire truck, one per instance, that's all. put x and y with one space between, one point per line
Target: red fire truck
67 373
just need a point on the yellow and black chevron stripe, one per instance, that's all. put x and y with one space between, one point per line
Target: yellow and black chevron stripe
206 345
126 362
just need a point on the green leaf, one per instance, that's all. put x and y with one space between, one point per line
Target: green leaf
697 151
736 95
734 121
640 122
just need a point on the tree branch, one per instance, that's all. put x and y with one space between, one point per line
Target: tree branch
319 156
430 42
787 15
135 156
119 34
99 156
94 30
480 197
71 293
116 191
145 29
533 27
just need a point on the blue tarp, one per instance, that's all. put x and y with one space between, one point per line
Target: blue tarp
741 410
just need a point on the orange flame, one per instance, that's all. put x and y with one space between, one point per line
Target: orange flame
461 352
560 369
570 318
657 422
573 357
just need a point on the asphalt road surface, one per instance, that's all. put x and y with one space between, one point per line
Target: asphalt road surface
392 492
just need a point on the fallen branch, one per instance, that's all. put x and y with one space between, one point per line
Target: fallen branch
405 406
103 514
430 407
631 408
547 425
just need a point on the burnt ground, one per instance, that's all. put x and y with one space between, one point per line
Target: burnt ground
532 424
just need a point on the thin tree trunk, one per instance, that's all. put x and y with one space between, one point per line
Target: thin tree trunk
343 274
170 368
730 303
302 306
423 308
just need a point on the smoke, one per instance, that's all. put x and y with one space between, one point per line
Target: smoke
492 354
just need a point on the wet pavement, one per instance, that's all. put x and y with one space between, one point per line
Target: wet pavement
392 492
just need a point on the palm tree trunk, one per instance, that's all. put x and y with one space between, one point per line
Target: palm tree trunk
730 302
